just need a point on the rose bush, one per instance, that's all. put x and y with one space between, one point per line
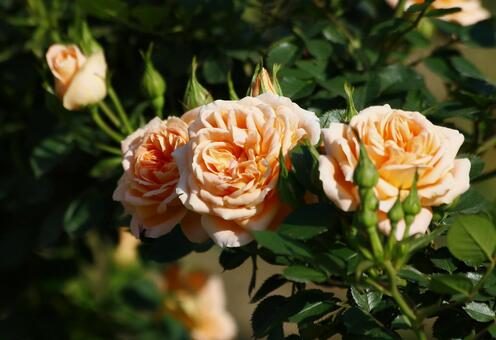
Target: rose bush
230 166
399 143
244 173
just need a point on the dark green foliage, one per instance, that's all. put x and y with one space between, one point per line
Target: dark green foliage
59 170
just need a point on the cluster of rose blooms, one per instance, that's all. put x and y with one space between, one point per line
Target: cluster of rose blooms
214 170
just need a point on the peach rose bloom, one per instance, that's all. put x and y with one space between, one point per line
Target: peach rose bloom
79 80
230 166
147 189
471 10
399 143
198 301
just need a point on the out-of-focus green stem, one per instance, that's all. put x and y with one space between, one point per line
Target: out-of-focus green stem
120 110
400 8
109 113
105 128
110 149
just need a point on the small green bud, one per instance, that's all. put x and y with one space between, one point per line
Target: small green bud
395 214
365 174
153 84
351 111
195 94
367 218
368 199
411 204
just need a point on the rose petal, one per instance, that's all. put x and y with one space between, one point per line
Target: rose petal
225 233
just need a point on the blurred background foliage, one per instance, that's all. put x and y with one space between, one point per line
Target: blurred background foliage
59 225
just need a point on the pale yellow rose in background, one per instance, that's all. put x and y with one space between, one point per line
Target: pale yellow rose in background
79 80
126 251
230 166
471 10
147 189
198 300
399 143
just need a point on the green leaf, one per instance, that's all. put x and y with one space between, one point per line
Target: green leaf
442 259
305 167
366 299
142 294
414 275
312 310
281 245
282 52
268 314
422 241
479 311
105 9
470 203
167 248
150 16
231 258
439 12
332 116
289 189
106 167
451 284
269 285
452 324
299 273
296 88
215 70
83 212
320 49
362 324
472 239
50 152
306 223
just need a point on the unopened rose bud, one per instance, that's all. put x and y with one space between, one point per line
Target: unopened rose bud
368 199
411 204
195 94
367 218
351 111
396 213
79 80
153 84
262 83
365 174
